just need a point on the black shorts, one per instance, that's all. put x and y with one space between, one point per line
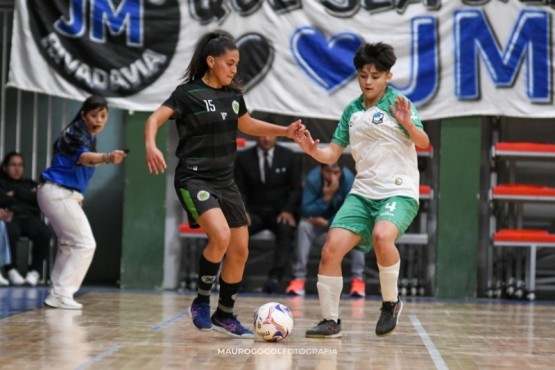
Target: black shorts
197 197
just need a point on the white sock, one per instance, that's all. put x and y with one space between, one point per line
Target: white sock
329 292
388 281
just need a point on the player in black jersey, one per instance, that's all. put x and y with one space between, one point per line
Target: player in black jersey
208 109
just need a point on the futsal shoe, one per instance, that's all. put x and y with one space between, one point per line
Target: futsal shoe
66 303
358 288
296 287
32 278
231 326
200 315
389 317
325 329
15 278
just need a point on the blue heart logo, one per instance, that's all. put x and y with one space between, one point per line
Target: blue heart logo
328 62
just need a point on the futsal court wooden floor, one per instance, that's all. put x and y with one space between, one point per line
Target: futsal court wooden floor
152 330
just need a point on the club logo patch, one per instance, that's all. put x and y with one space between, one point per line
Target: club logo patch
377 118
106 47
235 106
203 195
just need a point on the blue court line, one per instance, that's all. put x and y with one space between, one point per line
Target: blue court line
432 350
169 321
100 356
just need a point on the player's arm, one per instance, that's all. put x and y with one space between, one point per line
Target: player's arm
93 159
256 127
328 154
154 157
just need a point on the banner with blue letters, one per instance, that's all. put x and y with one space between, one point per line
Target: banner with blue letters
455 58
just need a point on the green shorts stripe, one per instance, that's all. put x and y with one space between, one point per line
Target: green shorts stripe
186 197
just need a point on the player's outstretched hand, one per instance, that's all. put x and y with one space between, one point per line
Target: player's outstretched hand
402 112
306 142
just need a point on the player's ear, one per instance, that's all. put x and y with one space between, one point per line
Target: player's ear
210 61
389 76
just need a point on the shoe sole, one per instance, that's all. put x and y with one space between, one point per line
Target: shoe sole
396 322
61 307
322 336
220 329
192 322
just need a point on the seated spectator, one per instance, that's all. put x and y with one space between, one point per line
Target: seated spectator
26 220
5 258
326 187
269 178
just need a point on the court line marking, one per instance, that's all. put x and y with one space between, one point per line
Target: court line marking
100 356
169 321
432 350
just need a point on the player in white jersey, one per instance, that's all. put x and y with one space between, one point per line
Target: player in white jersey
382 127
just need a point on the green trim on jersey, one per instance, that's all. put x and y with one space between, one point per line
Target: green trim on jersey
341 134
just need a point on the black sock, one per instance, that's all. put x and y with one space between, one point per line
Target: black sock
228 292
207 272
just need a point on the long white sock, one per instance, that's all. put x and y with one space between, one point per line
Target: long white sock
329 292
389 275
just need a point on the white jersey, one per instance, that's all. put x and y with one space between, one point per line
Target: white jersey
385 156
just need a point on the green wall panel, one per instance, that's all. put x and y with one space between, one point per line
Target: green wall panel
143 213
458 208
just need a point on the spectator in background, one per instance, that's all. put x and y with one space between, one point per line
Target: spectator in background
269 178
26 220
5 258
326 187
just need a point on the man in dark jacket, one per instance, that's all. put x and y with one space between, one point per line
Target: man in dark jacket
269 177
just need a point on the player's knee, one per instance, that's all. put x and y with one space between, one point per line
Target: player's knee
239 255
220 239
330 255
381 239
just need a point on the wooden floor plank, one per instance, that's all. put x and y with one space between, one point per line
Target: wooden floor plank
142 330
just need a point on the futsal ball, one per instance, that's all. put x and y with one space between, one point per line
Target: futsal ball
273 321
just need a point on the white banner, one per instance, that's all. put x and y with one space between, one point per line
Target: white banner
455 58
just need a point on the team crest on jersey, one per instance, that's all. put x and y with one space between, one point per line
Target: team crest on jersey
377 118
224 115
235 106
106 47
203 195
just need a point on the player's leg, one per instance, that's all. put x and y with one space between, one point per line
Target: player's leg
214 224
236 255
231 276
200 202
393 219
339 242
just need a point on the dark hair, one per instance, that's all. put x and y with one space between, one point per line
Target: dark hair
379 54
213 44
93 102
9 157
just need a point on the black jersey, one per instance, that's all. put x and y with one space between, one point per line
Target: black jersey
206 120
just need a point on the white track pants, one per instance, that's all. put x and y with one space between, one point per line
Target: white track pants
76 242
